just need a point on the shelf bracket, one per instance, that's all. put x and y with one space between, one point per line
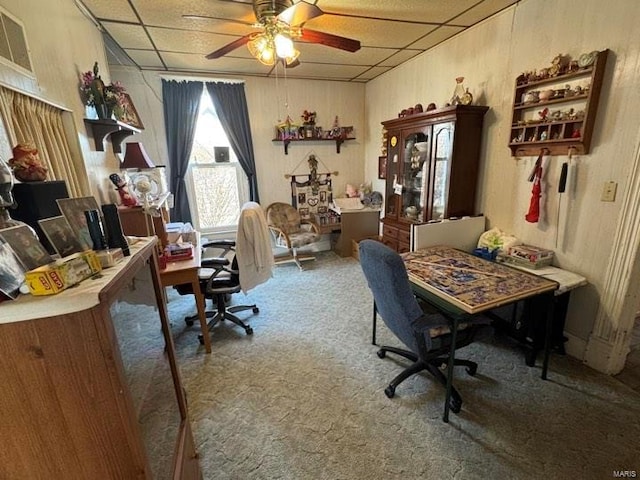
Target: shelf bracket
104 128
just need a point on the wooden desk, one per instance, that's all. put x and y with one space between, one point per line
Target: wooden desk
186 271
460 285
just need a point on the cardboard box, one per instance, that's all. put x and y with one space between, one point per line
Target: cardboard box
64 273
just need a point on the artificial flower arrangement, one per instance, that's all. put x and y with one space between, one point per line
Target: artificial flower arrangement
308 118
96 94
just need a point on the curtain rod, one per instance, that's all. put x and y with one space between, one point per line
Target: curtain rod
177 76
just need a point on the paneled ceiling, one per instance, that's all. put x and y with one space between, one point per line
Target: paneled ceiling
175 35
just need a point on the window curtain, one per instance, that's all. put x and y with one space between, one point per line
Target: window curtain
231 106
181 102
29 120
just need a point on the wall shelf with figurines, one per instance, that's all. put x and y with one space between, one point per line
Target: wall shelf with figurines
288 131
555 108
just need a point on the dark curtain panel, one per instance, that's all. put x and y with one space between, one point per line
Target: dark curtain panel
231 107
181 101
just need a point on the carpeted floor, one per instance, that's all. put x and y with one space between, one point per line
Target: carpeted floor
303 397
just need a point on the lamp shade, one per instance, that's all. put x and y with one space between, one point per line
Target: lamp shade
135 156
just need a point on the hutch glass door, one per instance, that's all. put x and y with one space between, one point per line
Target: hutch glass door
441 164
414 175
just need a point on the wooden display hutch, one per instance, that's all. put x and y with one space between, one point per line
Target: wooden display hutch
571 111
91 386
432 169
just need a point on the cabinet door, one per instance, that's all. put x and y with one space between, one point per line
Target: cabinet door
440 171
391 203
414 169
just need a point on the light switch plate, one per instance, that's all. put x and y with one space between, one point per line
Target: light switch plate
609 192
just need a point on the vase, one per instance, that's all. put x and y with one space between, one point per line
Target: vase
103 111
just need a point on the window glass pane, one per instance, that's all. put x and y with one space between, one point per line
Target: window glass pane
216 195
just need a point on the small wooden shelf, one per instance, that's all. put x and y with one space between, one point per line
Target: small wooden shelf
114 129
567 131
338 142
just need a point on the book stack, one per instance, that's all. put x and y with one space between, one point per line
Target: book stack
178 251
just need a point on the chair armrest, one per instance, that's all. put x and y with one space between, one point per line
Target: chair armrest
219 244
312 224
280 234
214 262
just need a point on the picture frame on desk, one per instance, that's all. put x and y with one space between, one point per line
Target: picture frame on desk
26 246
73 209
11 271
60 235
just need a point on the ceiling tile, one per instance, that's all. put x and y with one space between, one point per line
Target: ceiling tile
400 57
197 63
310 52
324 71
435 11
482 11
189 42
371 33
145 58
128 36
373 72
168 13
436 37
119 10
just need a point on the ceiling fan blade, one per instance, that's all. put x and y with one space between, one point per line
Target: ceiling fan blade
335 41
299 13
229 47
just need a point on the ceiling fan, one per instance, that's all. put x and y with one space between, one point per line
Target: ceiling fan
280 22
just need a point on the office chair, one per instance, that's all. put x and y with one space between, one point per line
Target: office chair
240 265
423 330
289 231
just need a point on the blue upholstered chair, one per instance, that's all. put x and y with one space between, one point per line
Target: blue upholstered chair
419 326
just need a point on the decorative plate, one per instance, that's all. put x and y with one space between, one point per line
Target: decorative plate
587 59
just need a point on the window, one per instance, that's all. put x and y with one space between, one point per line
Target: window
216 190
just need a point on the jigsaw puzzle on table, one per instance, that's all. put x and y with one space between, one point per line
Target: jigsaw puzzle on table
469 282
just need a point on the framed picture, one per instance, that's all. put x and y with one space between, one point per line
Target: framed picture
128 113
382 167
61 235
11 271
73 209
26 246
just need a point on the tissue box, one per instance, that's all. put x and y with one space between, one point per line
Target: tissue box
64 273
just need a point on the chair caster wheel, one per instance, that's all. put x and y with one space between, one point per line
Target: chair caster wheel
201 339
249 330
390 391
471 370
255 310
455 404
381 353
189 322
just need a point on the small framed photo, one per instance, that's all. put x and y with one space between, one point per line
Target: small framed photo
128 113
26 246
11 271
73 209
61 235
382 167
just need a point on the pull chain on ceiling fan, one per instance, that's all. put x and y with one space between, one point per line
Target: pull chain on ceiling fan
281 22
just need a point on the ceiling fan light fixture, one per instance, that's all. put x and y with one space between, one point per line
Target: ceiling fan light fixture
263 49
284 46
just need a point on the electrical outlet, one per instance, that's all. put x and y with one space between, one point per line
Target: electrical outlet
609 192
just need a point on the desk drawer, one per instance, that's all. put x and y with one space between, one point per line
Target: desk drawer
389 232
404 236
